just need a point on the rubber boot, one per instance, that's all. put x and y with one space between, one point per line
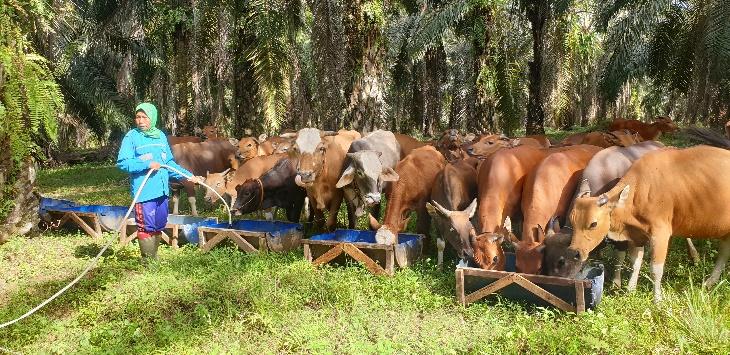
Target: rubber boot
148 248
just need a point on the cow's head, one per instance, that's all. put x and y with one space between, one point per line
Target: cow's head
283 146
591 220
451 139
388 233
488 145
210 132
557 261
456 226
249 196
368 174
218 182
665 124
488 252
529 253
248 147
310 148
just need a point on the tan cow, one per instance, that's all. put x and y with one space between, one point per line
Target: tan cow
665 193
225 183
321 156
649 132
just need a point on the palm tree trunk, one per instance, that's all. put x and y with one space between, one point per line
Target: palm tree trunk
537 15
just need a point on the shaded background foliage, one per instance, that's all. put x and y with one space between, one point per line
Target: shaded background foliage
414 66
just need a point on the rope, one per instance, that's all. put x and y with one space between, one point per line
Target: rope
93 262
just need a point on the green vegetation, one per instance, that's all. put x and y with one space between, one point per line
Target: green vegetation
228 301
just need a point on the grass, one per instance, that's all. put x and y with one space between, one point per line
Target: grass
228 301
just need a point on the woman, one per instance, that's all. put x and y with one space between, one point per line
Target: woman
145 148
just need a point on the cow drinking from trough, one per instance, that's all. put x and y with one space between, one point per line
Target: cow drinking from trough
369 170
320 156
417 173
275 188
665 193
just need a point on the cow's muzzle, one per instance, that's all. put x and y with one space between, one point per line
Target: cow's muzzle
372 198
304 179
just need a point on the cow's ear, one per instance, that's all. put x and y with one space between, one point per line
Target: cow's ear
472 209
508 224
233 141
347 176
623 197
431 210
539 233
388 174
602 200
470 137
262 138
540 248
289 135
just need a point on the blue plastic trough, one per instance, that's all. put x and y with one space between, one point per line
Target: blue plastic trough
91 218
344 244
253 235
571 295
180 229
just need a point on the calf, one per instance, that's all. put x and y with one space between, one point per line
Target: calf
225 183
665 193
369 170
649 132
320 157
249 147
199 159
453 204
417 174
548 192
275 188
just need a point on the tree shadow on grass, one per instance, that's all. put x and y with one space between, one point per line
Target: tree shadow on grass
91 250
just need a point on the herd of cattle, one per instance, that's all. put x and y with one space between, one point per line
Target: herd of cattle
621 186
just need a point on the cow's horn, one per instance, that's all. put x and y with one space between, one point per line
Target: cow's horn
298 181
288 135
441 209
327 133
225 171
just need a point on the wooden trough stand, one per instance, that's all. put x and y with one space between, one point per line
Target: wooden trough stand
252 236
92 219
380 259
176 224
569 295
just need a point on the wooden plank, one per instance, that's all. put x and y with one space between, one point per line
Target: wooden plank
329 255
580 301
307 253
358 255
542 293
97 225
460 286
359 245
242 243
489 289
263 246
175 235
201 237
64 218
213 241
538 279
164 237
81 223
390 261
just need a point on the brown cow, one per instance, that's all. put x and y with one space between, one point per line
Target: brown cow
417 174
649 132
199 159
249 147
225 183
500 179
665 193
621 138
321 156
172 140
548 192
453 203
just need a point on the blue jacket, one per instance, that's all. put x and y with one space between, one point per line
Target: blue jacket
135 156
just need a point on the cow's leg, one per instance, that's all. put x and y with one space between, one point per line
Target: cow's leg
268 215
334 207
636 256
294 212
351 218
307 209
720 263
423 226
620 259
660 244
692 252
175 200
190 191
375 211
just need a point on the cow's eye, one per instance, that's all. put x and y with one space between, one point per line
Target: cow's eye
321 149
593 225
359 173
495 259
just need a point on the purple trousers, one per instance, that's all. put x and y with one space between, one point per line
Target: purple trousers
151 217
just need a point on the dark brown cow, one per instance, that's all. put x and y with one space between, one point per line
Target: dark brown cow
321 156
275 188
200 159
453 203
649 132
548 192
667 192
417 172
500 179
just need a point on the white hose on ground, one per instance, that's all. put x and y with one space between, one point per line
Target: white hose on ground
122 224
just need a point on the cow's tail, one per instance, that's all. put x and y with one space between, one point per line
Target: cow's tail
707 136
